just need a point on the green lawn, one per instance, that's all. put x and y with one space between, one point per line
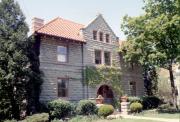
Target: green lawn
153 113
126 120
96 119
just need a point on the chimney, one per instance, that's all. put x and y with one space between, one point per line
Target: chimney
36 24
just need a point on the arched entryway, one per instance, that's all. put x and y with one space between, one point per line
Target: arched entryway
107 93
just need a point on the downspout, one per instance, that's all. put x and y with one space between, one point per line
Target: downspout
83 79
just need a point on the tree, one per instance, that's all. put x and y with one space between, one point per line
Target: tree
157 33
138 49
19 66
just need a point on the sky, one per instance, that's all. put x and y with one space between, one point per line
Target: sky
82 11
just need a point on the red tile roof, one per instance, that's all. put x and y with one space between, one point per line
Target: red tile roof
62 28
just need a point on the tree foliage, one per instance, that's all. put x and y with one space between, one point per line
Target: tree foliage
154 37
19 69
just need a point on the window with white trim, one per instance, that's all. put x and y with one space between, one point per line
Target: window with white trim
62 53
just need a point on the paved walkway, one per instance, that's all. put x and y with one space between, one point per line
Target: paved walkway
150 118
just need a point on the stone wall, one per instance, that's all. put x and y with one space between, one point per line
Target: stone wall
52 69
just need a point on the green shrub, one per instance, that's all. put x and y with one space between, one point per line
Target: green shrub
136 107
134 99
43 108
10 120
43 117
105 110
117 104
167 108
59 109
150 102
86 107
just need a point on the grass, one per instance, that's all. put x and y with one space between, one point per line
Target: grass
126 120
155 114
97 119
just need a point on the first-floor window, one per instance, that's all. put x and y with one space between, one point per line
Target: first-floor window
62 53
63 87
107 58
98 57
132 88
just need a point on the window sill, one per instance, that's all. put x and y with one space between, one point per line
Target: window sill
102 42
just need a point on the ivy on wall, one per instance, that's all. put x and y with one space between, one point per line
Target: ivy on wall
104 74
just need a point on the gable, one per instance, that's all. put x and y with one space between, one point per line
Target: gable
100 24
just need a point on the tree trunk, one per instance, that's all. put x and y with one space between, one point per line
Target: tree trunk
15 109
172 86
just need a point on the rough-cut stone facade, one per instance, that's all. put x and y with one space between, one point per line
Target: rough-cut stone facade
80 55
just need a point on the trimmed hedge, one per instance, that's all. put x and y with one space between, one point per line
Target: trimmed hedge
86 107
105 110
136 107
59 109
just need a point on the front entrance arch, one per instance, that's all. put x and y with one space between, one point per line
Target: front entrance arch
106 92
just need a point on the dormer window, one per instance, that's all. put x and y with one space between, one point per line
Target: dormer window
101 36
95 35
107 38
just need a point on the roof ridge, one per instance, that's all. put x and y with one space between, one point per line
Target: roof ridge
70 21
47 24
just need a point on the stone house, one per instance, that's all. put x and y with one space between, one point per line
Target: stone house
66 47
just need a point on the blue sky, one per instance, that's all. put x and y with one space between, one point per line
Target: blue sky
82 11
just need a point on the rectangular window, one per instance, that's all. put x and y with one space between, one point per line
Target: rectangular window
107 58
101 36
98 57
63 87
62 53
95 35
132 88
107 38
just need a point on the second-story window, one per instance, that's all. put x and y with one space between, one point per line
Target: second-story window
100 36
98 57
63 87
95 35
107 38
62 53
107 58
